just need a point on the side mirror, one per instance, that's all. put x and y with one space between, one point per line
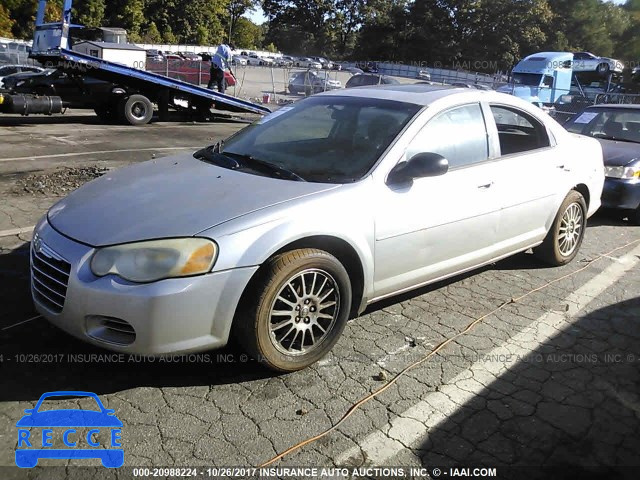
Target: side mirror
419 166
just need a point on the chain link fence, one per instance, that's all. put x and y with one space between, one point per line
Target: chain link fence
262 84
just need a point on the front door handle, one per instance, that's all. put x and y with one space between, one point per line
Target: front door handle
485 186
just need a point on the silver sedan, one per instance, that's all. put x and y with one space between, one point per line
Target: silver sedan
297 222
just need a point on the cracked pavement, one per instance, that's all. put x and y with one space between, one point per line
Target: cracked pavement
553 379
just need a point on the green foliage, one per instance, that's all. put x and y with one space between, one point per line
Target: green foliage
89 12
6 23
247 35
474 34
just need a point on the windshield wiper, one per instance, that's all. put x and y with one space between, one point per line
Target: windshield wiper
616 139
211 154
281 172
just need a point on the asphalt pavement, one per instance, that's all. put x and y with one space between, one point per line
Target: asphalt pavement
535 366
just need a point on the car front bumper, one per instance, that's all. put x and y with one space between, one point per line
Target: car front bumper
621 193
171 316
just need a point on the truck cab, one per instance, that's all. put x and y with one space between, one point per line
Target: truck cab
542 78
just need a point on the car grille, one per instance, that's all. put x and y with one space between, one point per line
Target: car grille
49 276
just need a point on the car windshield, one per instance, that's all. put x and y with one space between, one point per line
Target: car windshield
325 139
531 79
610 124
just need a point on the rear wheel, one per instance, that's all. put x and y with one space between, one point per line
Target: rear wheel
296 310
563 241
136 110
634 217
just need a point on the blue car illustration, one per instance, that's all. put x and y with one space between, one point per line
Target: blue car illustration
68 419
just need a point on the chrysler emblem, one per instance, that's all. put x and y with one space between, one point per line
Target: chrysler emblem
37 244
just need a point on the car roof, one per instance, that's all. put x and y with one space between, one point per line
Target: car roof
418 94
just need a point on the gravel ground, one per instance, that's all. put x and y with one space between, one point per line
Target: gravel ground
59 182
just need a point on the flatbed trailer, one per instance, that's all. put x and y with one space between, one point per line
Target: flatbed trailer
134 91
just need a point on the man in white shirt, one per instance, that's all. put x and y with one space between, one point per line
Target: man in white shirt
220 61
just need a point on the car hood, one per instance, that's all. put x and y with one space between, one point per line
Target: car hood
69 418
619 154
171 197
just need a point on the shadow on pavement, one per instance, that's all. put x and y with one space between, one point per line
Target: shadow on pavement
573 402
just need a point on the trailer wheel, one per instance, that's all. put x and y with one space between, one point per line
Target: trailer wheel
136 110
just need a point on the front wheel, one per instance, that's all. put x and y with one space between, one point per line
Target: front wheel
296 310
563 240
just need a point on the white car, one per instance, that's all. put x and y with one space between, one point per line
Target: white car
305 62
239 60
588 62
255 59
287 228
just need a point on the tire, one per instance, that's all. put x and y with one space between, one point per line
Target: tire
634 217
557 249
603 68
288 286
136 110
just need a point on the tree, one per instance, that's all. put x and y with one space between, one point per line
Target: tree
89 13
247 34
236 9
152 34
6 23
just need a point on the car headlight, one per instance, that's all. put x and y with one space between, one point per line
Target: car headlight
622 172
156 259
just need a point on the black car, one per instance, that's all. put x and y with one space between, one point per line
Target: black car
370 79
76 91
617 127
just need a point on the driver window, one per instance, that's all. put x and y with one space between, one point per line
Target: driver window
459 135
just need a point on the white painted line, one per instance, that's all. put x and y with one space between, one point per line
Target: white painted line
413 425
20 323
16 231
98 152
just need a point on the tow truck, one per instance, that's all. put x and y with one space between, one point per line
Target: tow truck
134 92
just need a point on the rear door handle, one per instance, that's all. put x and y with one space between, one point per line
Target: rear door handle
485 186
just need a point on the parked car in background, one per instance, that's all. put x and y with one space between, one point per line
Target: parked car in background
255 59
588 62
284 61
172 56
305 62
477 86
312 82
6 70
423 75
155 55
295 223
191 56
368 79
368 67
238 60
353 70
617 127
326 64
